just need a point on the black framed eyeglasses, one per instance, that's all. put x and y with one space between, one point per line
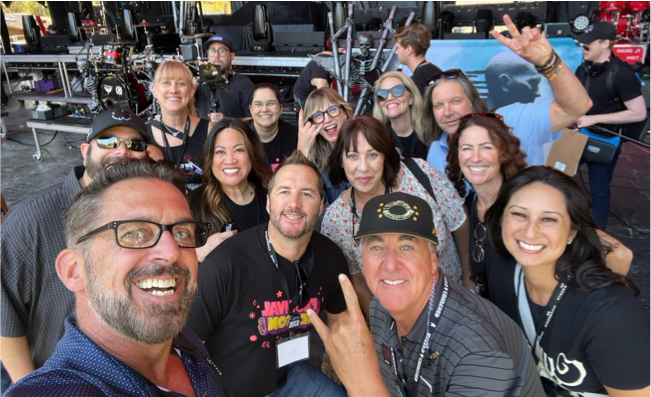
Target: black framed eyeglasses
448 74
302 295
397 91
144 234
221 51
137 145
480 235
319 117
482 114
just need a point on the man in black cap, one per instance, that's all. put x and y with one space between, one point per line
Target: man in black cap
233 101
617 100
34 302
431 335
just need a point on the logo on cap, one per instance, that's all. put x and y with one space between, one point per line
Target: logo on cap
589 29
121 115
389 211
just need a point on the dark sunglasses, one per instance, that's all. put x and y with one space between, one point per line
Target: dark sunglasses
302 295
137 145
480 235
144 234
397 91
584 46
483 114
448 74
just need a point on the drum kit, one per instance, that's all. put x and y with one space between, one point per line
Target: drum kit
630 17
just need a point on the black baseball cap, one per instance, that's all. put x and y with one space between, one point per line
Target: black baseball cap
118 117
398 213
597 31
218 38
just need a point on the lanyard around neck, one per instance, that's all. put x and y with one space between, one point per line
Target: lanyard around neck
184 135
440 296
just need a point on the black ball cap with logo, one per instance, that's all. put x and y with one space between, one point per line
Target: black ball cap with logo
114 118
399 213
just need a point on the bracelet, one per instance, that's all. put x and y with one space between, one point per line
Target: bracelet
557 61
556 72
547 62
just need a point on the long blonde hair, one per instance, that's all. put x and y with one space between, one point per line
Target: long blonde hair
313 104
416 109
175 70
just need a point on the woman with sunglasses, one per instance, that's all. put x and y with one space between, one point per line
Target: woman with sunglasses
178 132
399 106
485 154
365 156
319 125
278 137
235 176
588 332
451 95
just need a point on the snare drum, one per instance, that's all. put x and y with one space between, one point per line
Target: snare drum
113 55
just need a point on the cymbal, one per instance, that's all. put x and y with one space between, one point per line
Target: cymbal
149 24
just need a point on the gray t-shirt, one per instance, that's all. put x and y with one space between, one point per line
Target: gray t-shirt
475 349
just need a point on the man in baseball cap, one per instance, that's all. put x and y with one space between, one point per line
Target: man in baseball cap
431 335
34 302
597 31
234 100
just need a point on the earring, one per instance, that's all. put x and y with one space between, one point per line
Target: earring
569 242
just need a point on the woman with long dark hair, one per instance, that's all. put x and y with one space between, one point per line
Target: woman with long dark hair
233 196
585 327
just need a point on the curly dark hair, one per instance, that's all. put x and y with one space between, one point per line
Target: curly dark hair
583 260
380 139
510 155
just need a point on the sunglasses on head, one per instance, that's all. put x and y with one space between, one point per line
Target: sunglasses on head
137 145
482 114
397 91
448 74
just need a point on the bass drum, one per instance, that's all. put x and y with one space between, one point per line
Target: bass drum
112 93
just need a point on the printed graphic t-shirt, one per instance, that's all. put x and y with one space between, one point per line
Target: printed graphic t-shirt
241 310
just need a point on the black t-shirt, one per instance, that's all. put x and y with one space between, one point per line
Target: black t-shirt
188 158
422 74
594 338
283 144
410 146
303 87
233 102
241 311
249 215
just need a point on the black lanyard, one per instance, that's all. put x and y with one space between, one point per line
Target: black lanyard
439 295
353 208
525 312
183 135
281 275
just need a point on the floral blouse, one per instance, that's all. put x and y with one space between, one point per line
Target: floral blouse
339 224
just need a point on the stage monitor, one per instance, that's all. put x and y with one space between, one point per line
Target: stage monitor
31 31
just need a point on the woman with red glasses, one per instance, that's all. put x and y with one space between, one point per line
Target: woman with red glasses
399 105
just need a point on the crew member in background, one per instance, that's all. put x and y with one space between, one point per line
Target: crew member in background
413 41
312 77
615 104
233 101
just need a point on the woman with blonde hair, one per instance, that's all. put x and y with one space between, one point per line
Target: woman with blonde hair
319 124
178 132
399 106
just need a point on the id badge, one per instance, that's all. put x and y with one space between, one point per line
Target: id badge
291 350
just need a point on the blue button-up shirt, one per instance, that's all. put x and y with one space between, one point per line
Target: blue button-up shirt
79 367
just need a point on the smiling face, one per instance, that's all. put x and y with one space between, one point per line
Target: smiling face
536 226
399 271
479 157
294 203
97 159
144 294
173 94
394 107
364 168
450 103
265 108
231 163
331 125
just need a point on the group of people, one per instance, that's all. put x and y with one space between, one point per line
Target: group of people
447 260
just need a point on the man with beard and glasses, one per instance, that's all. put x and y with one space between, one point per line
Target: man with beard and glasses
34 304
133 271
255 289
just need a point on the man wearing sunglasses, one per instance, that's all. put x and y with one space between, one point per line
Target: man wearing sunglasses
133 271
255 288
34 302
413 41
234 101
618 105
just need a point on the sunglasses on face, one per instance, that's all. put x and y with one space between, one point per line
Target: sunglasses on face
482 114
137 145
397 91
584 46
302 295
448 74
319 117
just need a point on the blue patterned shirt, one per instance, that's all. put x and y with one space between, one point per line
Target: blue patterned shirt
79 367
